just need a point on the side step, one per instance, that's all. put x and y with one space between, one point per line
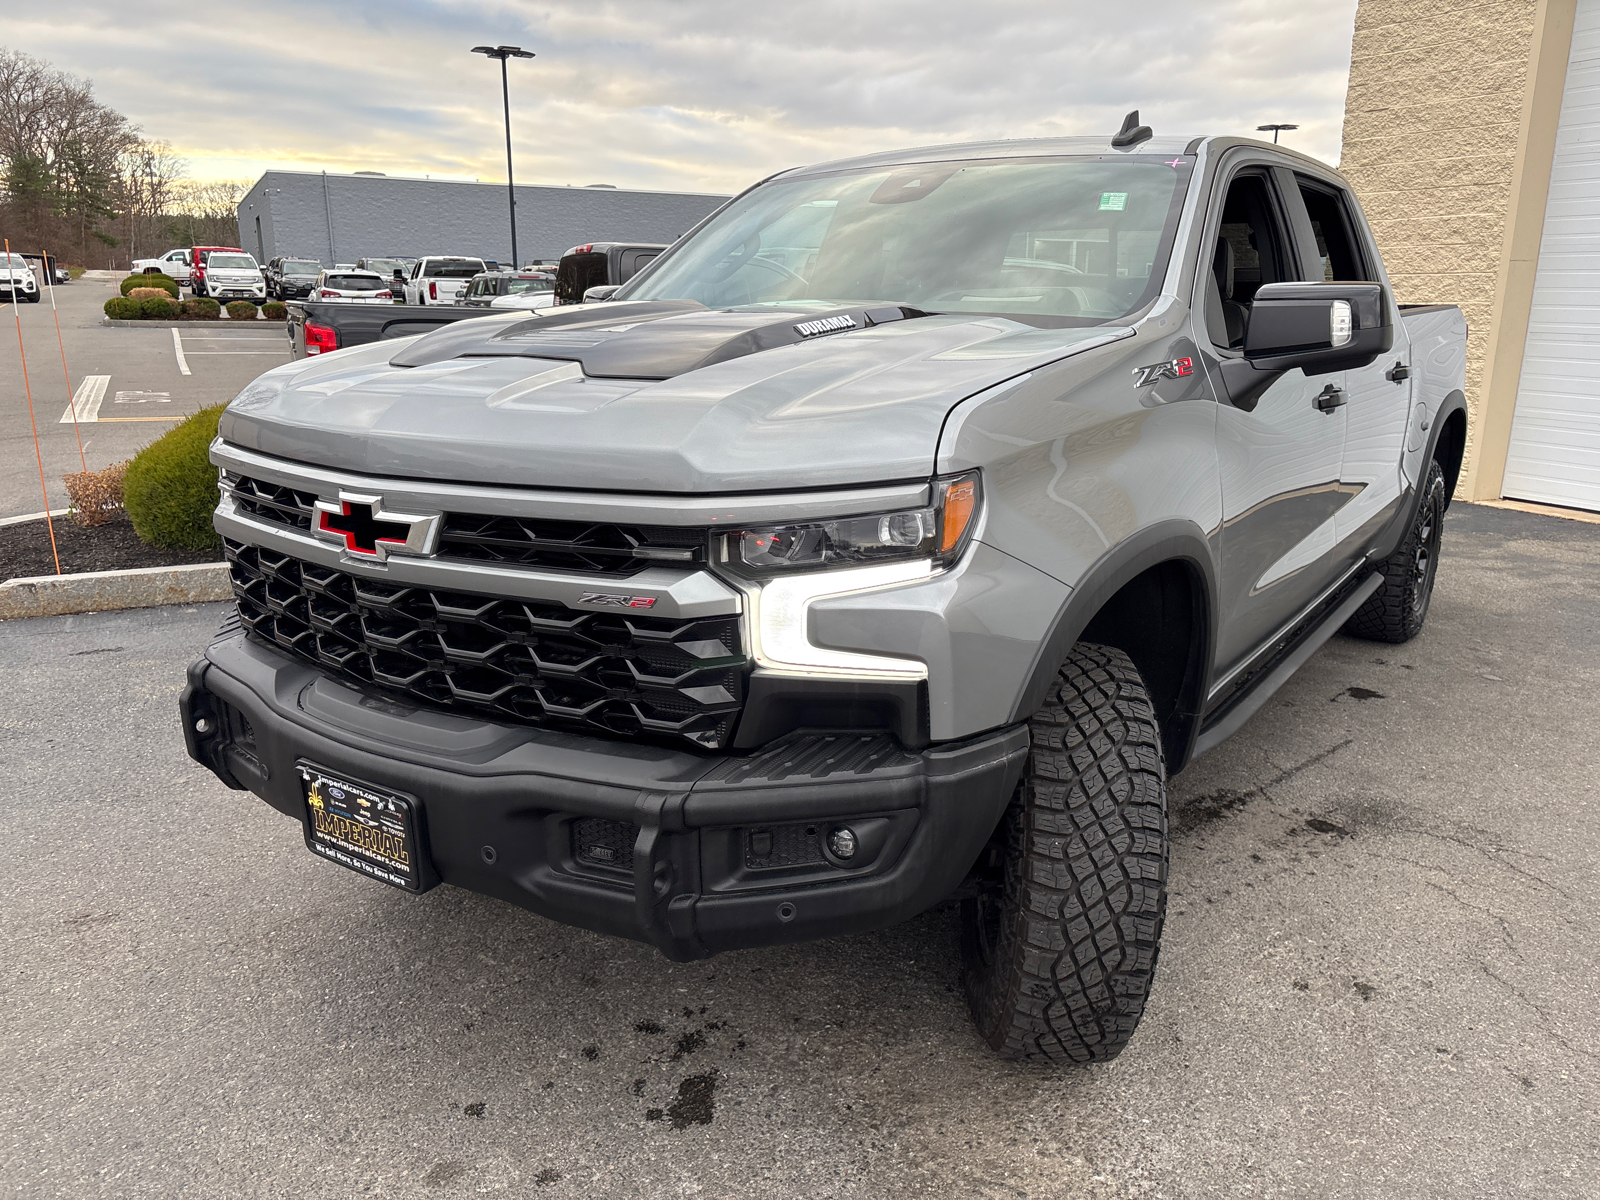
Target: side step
1227 721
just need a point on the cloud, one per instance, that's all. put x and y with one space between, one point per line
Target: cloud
701 95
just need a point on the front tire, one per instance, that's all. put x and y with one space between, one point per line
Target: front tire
1396 611
1060 944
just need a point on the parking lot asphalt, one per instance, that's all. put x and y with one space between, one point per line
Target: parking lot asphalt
142 388
1378 976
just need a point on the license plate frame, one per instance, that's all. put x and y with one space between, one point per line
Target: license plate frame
374 831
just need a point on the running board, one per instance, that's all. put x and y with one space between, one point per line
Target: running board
1233 718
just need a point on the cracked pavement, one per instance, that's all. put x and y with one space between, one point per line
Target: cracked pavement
1378 975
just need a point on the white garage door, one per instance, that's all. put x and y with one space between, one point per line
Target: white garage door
1555 436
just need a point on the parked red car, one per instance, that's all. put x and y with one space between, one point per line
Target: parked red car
197 276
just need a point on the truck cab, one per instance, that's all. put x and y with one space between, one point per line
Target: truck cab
602 265
440 278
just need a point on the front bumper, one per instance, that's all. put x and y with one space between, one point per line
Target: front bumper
706 853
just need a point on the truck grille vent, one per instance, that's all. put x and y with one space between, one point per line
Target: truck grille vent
596 549
568 545
273 503
535 662
604 843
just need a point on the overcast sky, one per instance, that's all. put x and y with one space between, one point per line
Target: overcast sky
699 95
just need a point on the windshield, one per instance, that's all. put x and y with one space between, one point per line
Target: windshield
301 266
386 266
1051 241
231 262
515 287
12 260
453 268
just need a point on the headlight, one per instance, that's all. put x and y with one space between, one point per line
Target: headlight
788 568
939 532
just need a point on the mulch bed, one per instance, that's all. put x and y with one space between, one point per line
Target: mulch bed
25 549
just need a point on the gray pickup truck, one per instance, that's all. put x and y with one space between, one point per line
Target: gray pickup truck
892 538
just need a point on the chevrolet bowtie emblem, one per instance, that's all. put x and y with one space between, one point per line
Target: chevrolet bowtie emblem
367 530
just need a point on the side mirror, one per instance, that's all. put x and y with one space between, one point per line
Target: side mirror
1318 327
602 292
399 274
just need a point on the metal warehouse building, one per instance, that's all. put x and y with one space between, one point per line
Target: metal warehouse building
340 218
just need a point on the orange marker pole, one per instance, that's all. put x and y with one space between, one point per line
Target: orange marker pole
50 282
38 456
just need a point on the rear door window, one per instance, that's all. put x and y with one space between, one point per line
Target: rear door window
1337 246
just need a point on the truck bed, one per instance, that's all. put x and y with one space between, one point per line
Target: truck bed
358 324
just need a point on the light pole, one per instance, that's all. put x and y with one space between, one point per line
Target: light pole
503 53
1274 128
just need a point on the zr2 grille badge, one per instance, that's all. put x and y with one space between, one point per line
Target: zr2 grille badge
615 600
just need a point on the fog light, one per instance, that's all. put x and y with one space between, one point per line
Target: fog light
842 843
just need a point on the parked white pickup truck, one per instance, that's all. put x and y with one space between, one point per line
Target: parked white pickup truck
440 278
174 264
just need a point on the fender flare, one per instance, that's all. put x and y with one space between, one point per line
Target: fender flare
1167 541
1385 545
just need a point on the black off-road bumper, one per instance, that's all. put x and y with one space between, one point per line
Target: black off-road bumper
693 854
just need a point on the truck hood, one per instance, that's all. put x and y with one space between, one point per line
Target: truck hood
663 397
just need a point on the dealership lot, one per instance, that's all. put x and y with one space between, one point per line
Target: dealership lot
127 385
1377 977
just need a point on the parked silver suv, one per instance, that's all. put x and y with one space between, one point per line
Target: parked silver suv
893 536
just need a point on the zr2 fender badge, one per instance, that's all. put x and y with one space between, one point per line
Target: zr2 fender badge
613 600
1176 368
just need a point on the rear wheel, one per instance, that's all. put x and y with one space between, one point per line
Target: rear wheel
1396 611
1060 944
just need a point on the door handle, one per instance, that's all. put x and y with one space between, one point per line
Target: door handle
1330 398
1397 373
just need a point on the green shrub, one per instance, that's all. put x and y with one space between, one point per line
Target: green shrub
272 310
171 486
158 308
241 310
120 308
201 308
165 282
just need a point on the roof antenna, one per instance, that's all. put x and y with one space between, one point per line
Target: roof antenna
1131 133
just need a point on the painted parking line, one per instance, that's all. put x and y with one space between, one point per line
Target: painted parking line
177 349
85 406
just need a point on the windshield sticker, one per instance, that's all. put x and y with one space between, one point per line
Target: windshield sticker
1113 201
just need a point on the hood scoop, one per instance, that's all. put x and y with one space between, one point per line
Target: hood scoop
646 340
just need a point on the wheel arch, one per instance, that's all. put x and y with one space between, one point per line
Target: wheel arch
1153 596
1450 440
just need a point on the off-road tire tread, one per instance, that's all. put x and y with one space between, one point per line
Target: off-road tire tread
1389 615
1085 873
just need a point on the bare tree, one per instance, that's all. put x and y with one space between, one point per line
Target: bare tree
149 176
61 155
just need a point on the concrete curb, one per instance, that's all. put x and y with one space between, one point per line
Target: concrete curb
26 517
152 324
101 591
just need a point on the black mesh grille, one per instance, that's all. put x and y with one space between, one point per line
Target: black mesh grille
604 843
529 661
273 503
568 545
596 549
783 846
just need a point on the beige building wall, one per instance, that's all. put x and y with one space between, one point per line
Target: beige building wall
1449 130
